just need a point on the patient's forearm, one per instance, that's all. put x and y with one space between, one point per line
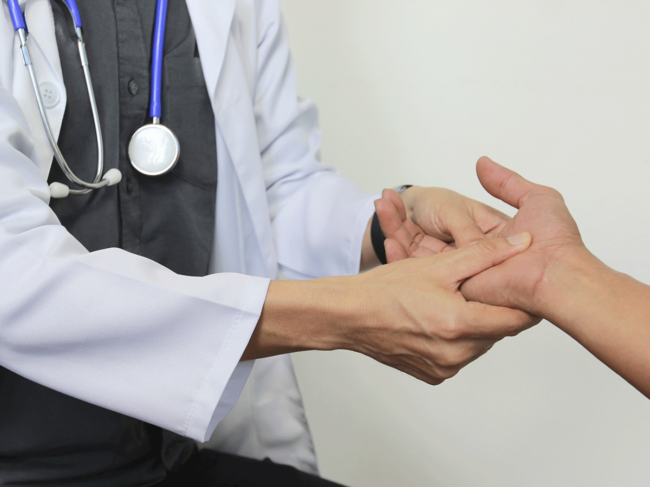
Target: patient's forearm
607 312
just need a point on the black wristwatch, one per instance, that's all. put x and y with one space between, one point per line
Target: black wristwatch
377 236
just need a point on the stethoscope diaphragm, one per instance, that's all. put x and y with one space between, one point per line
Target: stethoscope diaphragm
154 150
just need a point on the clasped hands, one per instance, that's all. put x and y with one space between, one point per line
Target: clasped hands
464 275
461 276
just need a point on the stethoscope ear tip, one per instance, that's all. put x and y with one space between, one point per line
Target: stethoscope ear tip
113 176
59 190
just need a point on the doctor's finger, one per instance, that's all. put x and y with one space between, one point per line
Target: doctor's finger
490 220
464 355
392 226
464 263
394 250
428 246
458 223
430 377
482 321
394 197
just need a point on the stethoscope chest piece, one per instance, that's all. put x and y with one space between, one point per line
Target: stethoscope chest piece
154 150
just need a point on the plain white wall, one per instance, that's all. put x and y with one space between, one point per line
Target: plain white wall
414 91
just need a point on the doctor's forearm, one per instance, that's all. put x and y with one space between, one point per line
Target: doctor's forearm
307 315
408 315
303 315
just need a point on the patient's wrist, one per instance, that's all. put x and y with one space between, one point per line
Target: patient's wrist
571 287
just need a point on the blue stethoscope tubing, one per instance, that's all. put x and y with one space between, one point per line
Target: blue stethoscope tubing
154 149
112 176
155 107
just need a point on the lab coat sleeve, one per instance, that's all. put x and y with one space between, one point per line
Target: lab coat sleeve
318 217
109 327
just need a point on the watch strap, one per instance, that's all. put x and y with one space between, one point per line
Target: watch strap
377 238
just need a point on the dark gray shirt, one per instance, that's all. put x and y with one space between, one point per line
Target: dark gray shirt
48 438
157 217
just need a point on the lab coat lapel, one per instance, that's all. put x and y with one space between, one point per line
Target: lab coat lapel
211 22
38 15
231 101
45 58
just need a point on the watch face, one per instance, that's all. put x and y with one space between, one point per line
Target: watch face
154 150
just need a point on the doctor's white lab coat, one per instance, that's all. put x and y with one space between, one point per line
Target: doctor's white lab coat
157 346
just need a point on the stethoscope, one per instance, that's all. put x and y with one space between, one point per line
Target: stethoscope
153 149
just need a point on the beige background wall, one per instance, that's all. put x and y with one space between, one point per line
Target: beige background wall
414 91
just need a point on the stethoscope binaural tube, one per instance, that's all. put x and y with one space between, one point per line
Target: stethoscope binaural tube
60 190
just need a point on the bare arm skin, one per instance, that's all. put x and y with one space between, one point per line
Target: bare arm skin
409 315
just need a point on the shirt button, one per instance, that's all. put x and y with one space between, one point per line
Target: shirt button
133 87
49 94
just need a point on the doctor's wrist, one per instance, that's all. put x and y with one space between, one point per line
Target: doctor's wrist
305 315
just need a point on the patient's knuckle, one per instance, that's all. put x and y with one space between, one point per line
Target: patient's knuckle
552 192
468 227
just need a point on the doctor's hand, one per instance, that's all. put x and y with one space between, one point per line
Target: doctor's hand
421 324
409 315
427 221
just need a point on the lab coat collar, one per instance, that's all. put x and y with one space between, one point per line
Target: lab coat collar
214 29
212 33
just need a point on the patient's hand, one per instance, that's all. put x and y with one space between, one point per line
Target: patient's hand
434 220
558 279
521 281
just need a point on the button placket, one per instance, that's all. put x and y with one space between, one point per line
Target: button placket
133 87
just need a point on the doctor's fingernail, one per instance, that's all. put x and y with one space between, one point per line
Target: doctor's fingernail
522 238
